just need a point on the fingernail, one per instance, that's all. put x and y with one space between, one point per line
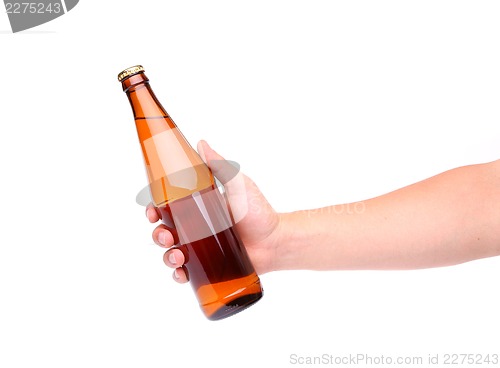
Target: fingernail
202 152
147 215
161 237
171 258
176 275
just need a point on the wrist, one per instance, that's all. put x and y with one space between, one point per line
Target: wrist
291 241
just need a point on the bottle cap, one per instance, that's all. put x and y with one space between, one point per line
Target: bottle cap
130 71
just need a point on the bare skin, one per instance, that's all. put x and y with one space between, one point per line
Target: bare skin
451 218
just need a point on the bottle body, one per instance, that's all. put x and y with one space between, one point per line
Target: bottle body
217 264
183 189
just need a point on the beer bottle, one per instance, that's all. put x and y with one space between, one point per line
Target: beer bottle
184 190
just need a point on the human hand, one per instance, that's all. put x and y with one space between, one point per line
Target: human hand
256 221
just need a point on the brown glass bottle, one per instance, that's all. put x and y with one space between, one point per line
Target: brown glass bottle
183 189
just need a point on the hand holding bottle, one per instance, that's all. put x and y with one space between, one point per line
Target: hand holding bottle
256 221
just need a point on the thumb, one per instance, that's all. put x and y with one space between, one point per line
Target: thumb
229 174
204 149
222 169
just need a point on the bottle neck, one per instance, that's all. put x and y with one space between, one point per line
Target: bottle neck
142 98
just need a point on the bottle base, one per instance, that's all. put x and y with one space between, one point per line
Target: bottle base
235 306
235 301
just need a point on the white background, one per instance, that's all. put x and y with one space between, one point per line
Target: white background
320 102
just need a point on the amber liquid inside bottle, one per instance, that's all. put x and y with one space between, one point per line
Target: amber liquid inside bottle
217 265
183 189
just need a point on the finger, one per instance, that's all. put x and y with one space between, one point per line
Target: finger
229 174
207 153
174 258
163 236
222 169
152 213
180 275
201 146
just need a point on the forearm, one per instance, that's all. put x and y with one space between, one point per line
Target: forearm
448 219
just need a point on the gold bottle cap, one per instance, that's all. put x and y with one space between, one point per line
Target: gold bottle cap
130 71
